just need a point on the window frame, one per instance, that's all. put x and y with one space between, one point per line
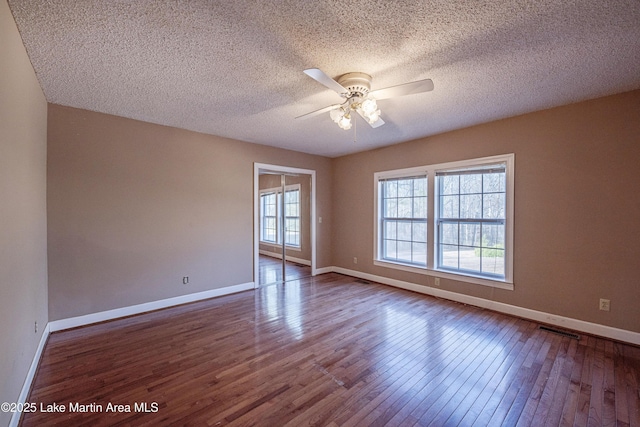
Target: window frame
431 268
278 193
262 198
384 219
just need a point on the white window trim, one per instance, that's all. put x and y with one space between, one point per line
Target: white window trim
278 190
430 269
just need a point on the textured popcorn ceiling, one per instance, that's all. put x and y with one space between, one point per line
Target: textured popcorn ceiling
234 68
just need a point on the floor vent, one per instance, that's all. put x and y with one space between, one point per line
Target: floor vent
559 332
364 282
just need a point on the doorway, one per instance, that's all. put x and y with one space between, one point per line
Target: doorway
284 224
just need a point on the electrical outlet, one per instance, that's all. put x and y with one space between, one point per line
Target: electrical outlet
605 304
436 281
35 327
355 260
185 280
319 220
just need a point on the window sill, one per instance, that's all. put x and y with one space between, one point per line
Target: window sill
495 283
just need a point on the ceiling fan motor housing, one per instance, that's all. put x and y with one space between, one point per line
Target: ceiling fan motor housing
358 84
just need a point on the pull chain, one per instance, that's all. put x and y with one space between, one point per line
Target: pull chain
355 129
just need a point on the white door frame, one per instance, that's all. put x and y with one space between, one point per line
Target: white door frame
256 213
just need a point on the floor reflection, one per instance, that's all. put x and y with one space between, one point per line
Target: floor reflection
425 346
283 303
270 270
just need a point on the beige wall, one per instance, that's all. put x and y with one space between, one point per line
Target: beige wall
23 233
273 181
133 207
577 205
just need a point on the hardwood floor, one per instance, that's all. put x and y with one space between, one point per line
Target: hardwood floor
333 351
270 270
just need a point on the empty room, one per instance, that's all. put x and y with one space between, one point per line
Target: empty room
326 213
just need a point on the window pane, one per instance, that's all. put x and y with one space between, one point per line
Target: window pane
420 207
494 183
404 251
390 249
449 256
470 184
449 233
419 232
493 205
270 229
449 184
293 224
271 223
471 206
493 236
390 229
470 234
405 208
270 236
470 259
391 208
493 261
292 203
449 206
404 231
405 188
391 188
420 187
419 253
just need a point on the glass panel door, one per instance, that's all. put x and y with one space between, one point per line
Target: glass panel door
297 226
271 233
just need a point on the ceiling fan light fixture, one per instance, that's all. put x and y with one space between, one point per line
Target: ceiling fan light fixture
345 122
369 109
369 105
336 114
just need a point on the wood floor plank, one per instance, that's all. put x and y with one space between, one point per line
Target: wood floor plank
333 351
512 353
447 389
511 388
554 388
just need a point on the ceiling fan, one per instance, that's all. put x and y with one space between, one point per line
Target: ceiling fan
355 88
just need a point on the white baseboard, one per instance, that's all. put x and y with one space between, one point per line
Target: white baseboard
538 316
26 386
324 270
74 322
289 257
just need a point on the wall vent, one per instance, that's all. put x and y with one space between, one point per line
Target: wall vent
559 332
364 282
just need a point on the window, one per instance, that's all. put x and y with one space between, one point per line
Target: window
292 217
466 206
471 220
404 219
271 215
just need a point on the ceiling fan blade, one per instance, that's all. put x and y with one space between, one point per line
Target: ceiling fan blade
322 78
375 124
317 112
403 89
